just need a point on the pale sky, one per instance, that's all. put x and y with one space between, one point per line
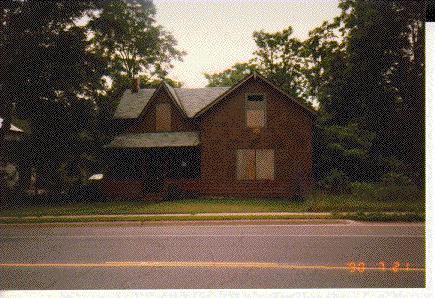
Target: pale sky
217 34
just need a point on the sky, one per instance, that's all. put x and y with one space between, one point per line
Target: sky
217 34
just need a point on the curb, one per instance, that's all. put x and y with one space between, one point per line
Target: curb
233 222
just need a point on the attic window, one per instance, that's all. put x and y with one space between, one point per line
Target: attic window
163 117
255 97
255 110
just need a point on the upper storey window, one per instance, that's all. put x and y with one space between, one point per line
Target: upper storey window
255 110
163 117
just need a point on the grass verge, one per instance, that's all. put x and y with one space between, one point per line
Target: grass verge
385 217
160 218
354 216
315 203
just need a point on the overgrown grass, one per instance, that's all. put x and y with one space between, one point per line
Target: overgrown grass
296 219
186 206
349 203
379 216
160 218
314 203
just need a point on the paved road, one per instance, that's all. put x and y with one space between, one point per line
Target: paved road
250 254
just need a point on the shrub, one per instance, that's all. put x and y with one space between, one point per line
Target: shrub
397 186
336 182
397 192
363 190
393 188
396 179
297 198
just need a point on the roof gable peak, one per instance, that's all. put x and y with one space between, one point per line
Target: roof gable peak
254 75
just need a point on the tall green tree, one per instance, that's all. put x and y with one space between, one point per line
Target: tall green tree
125 33
367 70
278 57
42 59
326 62
47 72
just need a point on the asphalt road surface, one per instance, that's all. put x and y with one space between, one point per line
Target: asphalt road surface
250 254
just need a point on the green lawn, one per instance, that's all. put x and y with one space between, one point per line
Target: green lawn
318 203
296 218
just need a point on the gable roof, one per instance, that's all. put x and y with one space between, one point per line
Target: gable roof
132 104
192 101
173 95
256 75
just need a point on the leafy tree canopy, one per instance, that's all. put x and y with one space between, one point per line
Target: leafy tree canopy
45 59
126 35
230 76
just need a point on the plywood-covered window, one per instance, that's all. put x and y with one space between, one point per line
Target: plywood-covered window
255 164
163 117
245 164
255 107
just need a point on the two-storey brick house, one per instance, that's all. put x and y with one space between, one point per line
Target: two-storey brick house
248 140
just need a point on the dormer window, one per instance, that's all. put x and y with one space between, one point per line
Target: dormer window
163 117
255 108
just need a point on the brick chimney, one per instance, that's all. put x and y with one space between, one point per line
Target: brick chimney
135 85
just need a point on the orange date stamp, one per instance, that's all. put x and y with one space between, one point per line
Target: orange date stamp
382 266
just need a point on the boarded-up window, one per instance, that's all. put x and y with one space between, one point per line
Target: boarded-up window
265 166
255 110
255 164
255 118
245 164
163 117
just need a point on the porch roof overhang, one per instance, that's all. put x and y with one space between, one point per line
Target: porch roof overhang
155 140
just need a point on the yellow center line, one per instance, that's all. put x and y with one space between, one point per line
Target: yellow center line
256 265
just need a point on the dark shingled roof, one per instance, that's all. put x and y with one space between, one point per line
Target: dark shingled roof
191 101
194 100
155 140
132 104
